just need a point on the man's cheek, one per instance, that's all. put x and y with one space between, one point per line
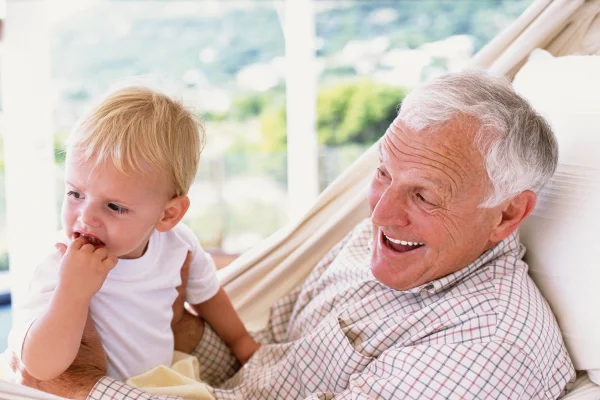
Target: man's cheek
373 196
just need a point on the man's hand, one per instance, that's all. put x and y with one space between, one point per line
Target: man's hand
83 268
187 328
79 379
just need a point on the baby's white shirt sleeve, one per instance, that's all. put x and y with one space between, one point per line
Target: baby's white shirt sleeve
202 283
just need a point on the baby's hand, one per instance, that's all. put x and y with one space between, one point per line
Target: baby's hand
83 269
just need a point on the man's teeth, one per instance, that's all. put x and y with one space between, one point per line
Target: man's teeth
403 242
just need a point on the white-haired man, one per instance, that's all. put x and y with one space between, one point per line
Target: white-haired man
427 299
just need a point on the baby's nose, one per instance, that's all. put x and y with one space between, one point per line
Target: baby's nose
89 217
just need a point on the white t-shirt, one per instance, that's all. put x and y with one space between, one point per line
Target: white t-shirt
133 309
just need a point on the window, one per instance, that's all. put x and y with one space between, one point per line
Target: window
227 60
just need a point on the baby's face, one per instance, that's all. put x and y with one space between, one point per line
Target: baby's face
111 209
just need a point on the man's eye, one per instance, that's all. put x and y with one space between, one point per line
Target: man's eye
76 195
117 208
423 199
381 173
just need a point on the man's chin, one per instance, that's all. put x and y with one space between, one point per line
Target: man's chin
384 273
393 276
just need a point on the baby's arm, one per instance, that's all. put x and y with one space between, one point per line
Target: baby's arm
222 317
53 339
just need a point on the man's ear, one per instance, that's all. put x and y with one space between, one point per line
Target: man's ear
513 213
174 210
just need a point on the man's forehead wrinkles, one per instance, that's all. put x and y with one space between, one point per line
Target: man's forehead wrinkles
397 129
454 166
393 147
459 171
447 188
435 164
415 160
452 187
459 152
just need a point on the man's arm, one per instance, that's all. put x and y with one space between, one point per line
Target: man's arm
110 389
88 368
475 370
480 370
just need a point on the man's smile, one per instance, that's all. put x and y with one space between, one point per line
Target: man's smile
398 245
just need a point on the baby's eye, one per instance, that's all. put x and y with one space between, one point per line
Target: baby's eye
117 208
76 195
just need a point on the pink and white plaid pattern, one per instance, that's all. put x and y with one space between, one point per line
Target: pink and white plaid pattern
484 332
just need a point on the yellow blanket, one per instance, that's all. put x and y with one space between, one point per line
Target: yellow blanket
180 379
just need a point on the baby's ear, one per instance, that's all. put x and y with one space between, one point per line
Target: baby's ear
174 210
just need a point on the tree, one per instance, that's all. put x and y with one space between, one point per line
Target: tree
348 113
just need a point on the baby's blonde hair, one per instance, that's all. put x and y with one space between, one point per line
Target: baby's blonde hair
137 127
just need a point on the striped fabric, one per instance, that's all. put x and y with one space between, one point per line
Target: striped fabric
482 332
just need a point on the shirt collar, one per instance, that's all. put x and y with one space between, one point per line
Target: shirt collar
509 246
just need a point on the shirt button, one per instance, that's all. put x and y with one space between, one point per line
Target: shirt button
428 287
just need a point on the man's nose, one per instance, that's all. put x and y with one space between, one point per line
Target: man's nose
89 216
390 210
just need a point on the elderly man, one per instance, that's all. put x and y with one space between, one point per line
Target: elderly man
427 299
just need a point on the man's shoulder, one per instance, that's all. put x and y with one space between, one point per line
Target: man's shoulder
502 291
519 302
524 318
499 303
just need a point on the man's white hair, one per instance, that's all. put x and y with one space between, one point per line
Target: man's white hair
518 145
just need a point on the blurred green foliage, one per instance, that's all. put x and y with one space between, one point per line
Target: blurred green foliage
357 112
248 105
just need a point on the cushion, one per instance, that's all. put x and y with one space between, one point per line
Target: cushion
563 233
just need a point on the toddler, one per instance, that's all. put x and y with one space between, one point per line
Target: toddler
129 165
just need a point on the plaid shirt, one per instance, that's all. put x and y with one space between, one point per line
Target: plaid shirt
482 332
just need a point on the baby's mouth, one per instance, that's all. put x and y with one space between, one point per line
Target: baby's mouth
94 241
